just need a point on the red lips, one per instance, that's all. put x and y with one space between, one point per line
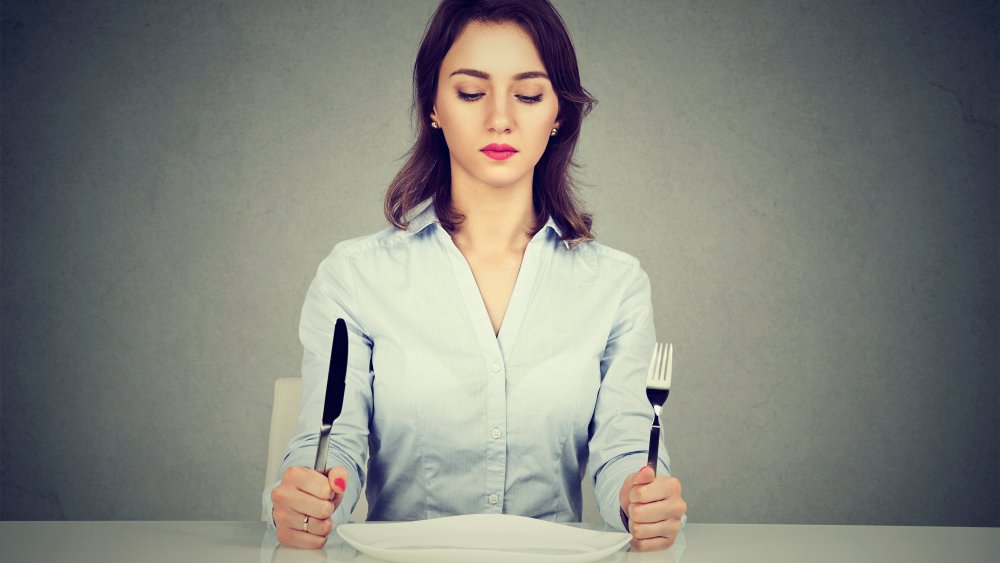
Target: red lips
493 147
498 152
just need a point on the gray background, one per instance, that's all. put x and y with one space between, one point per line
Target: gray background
812 187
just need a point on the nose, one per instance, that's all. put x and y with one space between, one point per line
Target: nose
499 118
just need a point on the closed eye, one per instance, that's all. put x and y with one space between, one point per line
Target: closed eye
473 97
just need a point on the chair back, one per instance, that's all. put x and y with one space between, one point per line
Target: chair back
284 415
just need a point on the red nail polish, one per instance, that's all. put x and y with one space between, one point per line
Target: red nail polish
340 483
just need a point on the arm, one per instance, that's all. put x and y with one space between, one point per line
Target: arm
622 417
331 295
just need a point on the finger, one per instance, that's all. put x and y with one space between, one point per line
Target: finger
664 487
337 480
293 502
289 518
291 537
644 475
667 509
663 529
633 481
309 481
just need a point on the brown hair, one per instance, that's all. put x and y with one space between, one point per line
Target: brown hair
427 172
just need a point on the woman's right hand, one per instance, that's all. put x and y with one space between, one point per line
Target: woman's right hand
306 492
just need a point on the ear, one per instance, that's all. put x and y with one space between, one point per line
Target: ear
434 113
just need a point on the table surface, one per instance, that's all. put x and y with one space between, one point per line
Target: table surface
224 542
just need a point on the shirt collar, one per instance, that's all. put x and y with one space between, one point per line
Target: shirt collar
423 219
428 217
551 224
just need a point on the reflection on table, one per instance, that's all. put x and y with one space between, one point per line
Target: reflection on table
338 550
254 542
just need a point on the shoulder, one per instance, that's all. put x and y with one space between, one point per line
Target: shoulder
610 255
348 255
368 245
604 262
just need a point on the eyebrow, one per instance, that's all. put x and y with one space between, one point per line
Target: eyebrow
486 76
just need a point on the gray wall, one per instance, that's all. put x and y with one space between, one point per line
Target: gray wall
812 187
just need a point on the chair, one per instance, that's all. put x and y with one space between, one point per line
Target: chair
285 413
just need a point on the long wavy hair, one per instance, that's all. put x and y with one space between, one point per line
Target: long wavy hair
427 172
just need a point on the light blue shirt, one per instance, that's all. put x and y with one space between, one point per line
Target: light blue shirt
449 418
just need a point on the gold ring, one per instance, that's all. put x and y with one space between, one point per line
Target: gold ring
305 525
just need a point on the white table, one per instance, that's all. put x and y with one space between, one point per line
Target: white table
251 542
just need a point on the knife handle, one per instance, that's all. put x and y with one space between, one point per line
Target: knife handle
323 449
654 443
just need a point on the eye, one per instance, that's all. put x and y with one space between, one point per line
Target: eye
473 97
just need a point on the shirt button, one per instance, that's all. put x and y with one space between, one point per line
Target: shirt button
496 433
495 368
494 498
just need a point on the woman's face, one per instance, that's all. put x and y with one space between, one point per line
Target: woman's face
481 100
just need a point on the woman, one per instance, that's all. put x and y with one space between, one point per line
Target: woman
496 351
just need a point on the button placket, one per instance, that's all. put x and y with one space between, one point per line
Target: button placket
496 450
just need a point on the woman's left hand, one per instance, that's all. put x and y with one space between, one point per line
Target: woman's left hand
654 508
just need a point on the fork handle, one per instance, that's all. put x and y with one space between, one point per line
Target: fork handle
654 444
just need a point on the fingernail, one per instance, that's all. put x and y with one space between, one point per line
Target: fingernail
340 483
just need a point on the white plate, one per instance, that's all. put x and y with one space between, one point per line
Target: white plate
483 538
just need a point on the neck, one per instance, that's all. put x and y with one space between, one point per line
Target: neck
496 220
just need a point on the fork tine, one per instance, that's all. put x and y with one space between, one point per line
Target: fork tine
651 372
659 360
655 365
670 362
659 364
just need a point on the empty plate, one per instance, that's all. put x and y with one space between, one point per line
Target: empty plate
483 538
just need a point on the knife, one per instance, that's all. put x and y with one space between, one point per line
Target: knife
335 382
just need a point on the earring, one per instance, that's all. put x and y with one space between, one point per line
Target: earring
553 134
434 124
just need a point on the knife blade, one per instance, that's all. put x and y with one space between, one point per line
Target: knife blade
336 380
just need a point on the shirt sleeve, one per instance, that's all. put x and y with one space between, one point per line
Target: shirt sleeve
619 435
331 295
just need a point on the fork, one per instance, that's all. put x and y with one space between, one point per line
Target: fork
657 389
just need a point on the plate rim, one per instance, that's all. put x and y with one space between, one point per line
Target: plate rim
359 544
